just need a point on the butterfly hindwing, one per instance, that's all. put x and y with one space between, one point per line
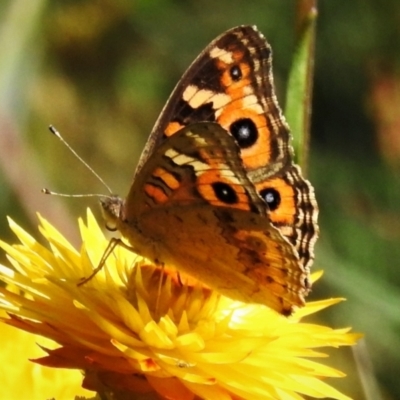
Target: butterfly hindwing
194 202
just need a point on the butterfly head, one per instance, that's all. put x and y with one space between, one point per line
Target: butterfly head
111 207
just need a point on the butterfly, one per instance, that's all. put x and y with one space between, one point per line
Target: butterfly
216 193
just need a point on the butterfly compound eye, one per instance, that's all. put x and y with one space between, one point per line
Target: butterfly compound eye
111 227
245 132
225 193
272 197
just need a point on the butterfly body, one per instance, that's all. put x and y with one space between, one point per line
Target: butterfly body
216 193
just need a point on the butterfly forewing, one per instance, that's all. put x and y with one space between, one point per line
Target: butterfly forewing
230 83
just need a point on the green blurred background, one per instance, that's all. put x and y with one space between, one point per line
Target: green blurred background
101 70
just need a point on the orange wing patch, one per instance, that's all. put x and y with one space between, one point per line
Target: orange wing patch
172 128
167 178
155 193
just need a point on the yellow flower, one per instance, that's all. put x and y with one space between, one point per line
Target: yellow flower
23 379
133 328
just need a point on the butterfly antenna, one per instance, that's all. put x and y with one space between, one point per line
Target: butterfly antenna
47 191
55 132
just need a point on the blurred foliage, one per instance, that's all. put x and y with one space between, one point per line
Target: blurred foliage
100 71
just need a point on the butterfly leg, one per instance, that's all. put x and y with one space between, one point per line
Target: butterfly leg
160 265
113 243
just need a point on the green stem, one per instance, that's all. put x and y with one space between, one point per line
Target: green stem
299 92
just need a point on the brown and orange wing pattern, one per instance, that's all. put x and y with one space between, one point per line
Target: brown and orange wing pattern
231 83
